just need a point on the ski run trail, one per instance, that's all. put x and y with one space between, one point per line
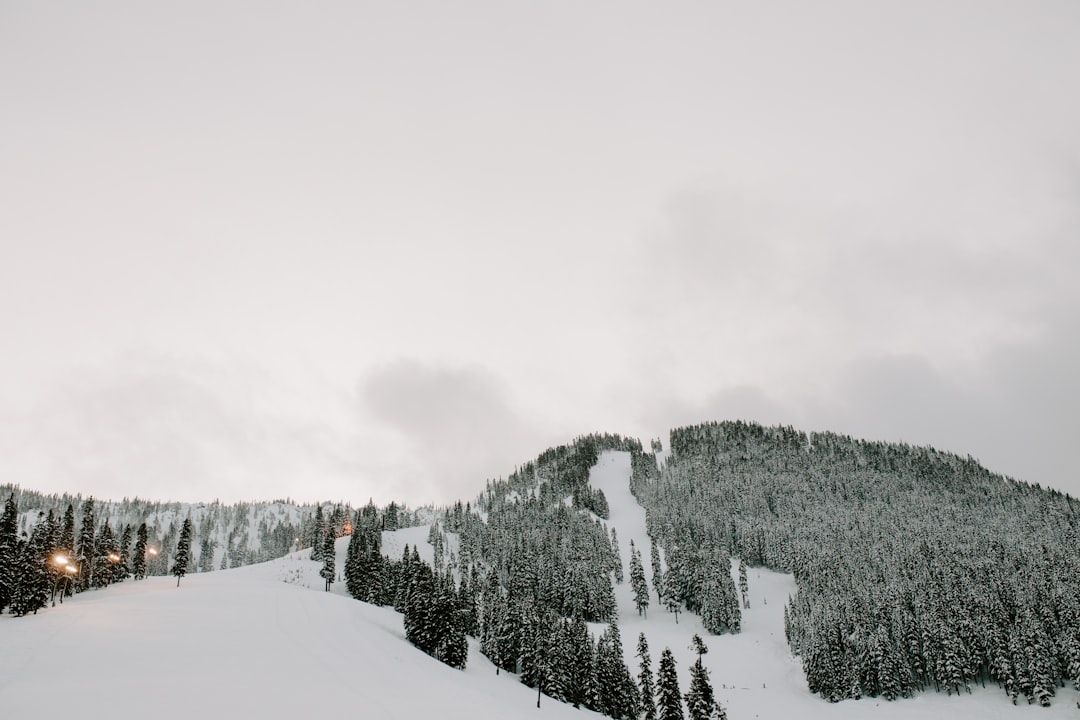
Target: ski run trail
264 641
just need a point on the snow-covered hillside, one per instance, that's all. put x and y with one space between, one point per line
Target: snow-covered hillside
261 641
266 641
753 673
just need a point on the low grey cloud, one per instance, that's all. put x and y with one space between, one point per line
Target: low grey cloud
458 425
1017 414
947 316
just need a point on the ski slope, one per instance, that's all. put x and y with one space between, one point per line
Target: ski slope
753 673
265 641
262 641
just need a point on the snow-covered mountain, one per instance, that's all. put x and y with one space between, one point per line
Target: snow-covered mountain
552 542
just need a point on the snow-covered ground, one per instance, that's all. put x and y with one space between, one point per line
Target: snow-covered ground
753 673
262 641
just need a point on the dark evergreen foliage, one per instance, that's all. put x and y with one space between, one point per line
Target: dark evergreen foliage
645 680
106 558
916 569
668 698
618 556
138 554
700 702
329 557
547 554
85 550
618 695
9 551
315 535
431 615
368 576
33 578
657 571
183 552
638 582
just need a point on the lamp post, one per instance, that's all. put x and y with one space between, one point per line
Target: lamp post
64 570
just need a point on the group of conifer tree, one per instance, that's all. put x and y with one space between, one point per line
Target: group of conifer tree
438 612
915 569
223 535
534 565
54 561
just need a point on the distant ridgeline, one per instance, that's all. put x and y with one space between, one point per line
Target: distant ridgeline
107 542
915 568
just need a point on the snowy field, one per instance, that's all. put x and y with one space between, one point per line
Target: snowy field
753 673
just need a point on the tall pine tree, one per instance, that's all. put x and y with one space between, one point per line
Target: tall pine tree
638 583
183 552
138 554
668 696
657 572
328 555
9 547
32 583
645 679
699 698
85 549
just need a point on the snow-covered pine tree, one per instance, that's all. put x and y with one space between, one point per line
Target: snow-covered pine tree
668 696
638 583
657 572
582 686
536 649
353 578
451 645
183 552
206 553
646 685
419 602
328 555
744 586
490 600
317 533
617 689
468 601
85 549
618 557
719 603
9 546
123 568
105 557
66 544
138 553
32 583
700 702
672 598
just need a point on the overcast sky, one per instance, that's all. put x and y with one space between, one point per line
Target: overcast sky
345 250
